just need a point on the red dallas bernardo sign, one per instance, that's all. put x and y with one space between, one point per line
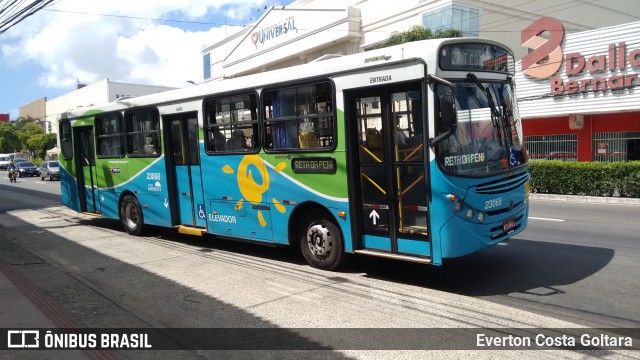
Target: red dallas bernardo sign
546 57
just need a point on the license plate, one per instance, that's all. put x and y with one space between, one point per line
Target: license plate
509 224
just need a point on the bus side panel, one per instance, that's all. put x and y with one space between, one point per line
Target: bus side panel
234 189
252 198
149 184
441 212
69 186
289 188
145 178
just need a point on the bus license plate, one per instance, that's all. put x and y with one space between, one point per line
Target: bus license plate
509 224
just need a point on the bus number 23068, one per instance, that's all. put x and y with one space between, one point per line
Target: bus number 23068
490 204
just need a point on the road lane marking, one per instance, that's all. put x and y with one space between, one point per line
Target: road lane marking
545 219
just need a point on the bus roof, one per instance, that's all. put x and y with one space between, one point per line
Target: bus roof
426 50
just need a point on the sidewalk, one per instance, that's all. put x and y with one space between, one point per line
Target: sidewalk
27 307
586 199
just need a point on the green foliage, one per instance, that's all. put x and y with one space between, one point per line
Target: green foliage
25 135
416 33
9 141
586 178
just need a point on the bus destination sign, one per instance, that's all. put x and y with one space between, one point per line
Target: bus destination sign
315 165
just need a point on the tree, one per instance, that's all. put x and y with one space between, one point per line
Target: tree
9 140
30 136
49 142
416 33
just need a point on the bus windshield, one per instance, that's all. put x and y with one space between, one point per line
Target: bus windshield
488 138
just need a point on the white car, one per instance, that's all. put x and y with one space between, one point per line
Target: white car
4 161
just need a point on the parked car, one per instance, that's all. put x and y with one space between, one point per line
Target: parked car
50 169
26 168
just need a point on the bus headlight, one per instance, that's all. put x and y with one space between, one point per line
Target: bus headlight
458 206
469 213
481 216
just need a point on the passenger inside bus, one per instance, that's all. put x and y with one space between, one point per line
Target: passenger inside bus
237 141
218 141
401 137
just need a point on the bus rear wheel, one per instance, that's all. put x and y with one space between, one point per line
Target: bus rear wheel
131 215
320 241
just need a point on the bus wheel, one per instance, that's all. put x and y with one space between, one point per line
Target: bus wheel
321 241
131 215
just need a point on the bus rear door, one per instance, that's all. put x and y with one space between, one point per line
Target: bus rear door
86 165
389 193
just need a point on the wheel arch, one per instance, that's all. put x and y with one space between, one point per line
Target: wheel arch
298 214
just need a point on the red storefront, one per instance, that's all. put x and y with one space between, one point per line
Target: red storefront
591 142
579 94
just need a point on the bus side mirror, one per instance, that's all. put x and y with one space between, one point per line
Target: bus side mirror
448 119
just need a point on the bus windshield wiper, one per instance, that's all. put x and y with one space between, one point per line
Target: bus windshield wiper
495 113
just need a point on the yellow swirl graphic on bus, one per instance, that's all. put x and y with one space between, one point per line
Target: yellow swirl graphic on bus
252 190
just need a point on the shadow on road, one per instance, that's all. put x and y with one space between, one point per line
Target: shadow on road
104 292
521 266
522 269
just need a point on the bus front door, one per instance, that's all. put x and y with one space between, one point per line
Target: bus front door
390 171
182 131
86 170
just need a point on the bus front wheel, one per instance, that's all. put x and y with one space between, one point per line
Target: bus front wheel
131 215
321 241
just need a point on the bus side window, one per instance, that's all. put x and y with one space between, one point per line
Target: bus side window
231 123
299 117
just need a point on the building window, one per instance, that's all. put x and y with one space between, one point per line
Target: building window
231 124
206 66
616 146
143 133
553 147
66 144
463 18
110 136
299 117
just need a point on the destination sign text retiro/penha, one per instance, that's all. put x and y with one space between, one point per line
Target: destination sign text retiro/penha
317 165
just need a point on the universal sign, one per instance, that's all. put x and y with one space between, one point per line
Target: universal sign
546 56
282 28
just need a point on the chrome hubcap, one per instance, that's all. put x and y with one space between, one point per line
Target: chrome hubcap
131 215
319 240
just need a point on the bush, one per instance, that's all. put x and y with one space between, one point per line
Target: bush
585 178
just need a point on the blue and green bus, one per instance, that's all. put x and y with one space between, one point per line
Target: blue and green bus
413 152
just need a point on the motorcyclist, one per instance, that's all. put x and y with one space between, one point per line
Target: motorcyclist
11 169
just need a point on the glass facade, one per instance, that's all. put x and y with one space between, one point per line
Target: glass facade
463 18
206 66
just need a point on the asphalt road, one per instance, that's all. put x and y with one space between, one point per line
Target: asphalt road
574 262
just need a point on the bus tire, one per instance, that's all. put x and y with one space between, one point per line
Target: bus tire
320 241
131 215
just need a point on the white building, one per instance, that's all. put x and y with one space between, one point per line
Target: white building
308 29
99 92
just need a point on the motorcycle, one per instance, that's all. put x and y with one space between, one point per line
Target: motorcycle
13 175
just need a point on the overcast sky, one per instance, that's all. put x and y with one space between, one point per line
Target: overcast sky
46 54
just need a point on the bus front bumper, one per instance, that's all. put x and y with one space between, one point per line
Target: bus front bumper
467 237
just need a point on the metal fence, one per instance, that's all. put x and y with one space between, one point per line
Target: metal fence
616 146
553 147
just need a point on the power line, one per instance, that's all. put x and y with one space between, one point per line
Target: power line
14 16
142 18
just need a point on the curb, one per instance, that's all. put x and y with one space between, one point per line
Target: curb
586 199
